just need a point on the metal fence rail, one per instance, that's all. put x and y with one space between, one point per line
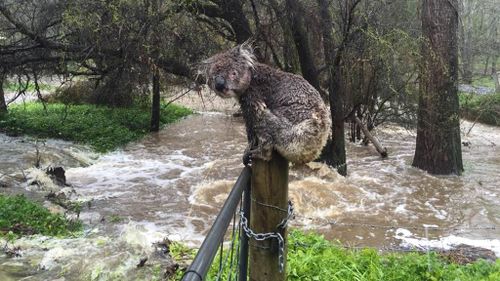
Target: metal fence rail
208 250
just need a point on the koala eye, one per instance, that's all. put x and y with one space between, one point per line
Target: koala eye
234 73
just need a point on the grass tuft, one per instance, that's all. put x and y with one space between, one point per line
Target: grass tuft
20 216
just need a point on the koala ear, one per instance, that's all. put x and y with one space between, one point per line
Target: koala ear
245 51
207 61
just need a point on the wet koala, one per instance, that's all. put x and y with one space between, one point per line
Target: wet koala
282 111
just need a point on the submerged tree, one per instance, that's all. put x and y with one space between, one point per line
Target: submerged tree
438 148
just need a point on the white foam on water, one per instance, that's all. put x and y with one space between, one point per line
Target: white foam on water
447 242
112 171
142 235
401 209
439 214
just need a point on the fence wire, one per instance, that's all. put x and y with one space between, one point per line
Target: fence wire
228 258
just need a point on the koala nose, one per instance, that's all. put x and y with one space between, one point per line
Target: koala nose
220 83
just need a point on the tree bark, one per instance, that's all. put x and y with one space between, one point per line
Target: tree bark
494 65
290 61
304 50
3 105
496 77
232 11
438 148
155 106
334 153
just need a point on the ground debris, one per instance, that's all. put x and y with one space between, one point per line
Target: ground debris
142 262
465 254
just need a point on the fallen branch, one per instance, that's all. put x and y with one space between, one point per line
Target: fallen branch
382 150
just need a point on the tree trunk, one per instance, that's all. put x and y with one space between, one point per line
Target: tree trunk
155 107
305 52
334 152
496 77
485 71
358 129
3 105
438 148
494 65
466 52
290 61
232 11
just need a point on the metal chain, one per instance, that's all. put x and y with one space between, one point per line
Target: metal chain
289 216
270 235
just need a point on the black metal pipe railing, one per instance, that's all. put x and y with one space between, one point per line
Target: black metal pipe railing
243 259
204 258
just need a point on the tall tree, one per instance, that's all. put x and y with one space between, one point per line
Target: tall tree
438 148
3 105
334 153
302 44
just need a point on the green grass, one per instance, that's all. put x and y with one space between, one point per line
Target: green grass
101 127
20 216
313 258
324 260
484 81
483 108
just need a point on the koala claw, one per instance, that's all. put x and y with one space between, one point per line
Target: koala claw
261 106
247 158
256 153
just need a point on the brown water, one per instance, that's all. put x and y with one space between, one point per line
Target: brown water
173 183
179 178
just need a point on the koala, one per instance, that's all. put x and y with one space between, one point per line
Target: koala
282 111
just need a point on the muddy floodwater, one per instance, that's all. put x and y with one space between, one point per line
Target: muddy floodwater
173 183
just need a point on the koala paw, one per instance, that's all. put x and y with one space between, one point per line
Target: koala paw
247 158
263 153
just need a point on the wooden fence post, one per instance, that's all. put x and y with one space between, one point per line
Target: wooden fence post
269 193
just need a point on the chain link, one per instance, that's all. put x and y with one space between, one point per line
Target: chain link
270 235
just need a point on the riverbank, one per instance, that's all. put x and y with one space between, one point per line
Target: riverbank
103 128
481 108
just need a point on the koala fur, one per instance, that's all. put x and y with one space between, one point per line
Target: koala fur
282 111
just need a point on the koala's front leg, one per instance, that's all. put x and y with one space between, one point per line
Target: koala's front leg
260 142
259 152
258 149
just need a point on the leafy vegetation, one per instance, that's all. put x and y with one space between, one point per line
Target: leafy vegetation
20 216
483 108
313 258
101 127
484 81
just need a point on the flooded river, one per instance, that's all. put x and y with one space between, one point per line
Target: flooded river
172 184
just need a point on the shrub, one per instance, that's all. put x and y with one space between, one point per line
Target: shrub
80 92
483 108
